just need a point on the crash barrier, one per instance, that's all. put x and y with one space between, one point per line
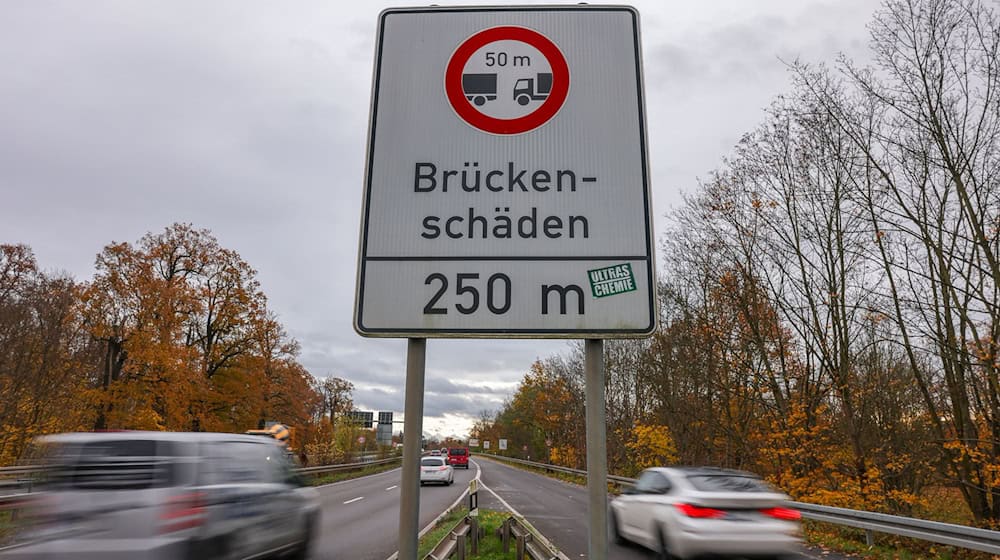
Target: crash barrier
460 543
463 541
18 479
525 543
972 538
326 469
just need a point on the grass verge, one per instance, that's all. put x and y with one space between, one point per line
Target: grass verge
490 547
886 547
348 475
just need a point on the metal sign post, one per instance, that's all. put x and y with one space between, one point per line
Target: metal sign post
413 427
597 449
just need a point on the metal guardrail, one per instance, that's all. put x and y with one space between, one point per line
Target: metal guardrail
459 543
525 543
324 469
972 538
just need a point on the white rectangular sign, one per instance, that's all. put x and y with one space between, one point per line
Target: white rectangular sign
507 184
486 444
473 442
503 445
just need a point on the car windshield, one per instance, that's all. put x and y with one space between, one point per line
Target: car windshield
432 462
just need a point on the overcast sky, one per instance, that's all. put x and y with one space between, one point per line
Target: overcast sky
249 118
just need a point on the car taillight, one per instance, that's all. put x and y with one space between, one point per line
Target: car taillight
787 514
183 512
699 512
443 468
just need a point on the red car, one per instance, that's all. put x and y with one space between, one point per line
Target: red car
458 457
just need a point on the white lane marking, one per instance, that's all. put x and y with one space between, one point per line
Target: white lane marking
391 487
427 529
518 514
350 480
354 500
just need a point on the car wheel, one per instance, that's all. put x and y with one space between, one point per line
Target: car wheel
664 552
616 534
301 551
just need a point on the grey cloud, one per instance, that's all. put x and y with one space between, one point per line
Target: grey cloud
250 119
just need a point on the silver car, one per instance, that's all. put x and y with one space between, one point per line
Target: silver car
688 512
436 469
162 495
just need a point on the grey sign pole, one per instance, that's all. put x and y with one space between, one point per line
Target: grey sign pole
413 429
597 450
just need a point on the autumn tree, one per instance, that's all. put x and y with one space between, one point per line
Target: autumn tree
43 352
188 340
924 119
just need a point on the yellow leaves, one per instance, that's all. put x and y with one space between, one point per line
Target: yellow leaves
565 455
651 445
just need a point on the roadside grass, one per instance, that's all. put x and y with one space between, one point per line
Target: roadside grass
7 526
490 547
886 547
943 504
939 504
319 480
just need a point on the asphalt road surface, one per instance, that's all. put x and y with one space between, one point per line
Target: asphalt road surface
360 519
559 511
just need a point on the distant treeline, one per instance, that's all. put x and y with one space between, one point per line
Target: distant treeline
171 333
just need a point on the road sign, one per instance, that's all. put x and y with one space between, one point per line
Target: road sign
474 497
361 439
502 445
473 442
506 189
486 444
360 418
383 434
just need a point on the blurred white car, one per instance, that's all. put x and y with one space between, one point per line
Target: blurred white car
436 469
435 453
162 495
687 512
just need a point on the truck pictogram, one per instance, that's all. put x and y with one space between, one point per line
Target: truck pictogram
479 88
533 89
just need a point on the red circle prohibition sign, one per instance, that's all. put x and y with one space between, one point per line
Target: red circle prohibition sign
467 112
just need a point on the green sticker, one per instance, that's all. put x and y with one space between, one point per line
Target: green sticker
611 280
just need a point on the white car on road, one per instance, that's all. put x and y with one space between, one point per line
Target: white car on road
436 469
687 512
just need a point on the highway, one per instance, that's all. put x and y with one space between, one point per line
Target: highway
361 516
